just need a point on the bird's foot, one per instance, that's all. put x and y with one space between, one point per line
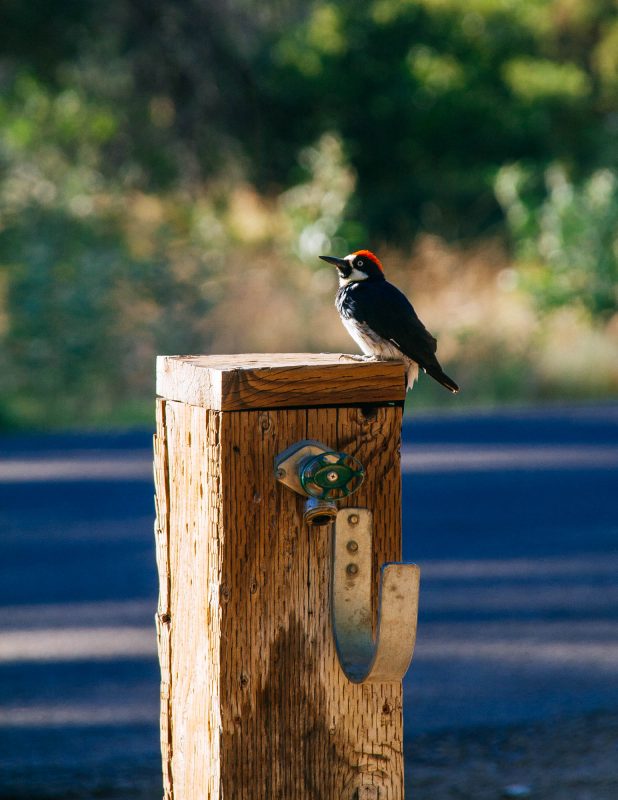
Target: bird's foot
355 357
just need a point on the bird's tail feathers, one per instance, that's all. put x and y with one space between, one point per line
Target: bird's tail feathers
442 378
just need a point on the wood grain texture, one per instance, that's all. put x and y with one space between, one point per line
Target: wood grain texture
162 617
278 380
254 703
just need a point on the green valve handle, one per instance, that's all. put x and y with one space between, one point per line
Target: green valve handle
331 476
321 475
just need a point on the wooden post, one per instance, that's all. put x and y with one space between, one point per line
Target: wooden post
254 704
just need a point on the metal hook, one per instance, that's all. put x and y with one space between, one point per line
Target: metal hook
362 659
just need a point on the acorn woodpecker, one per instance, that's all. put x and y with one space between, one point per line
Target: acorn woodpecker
381 320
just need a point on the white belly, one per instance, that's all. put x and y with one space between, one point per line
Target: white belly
371 345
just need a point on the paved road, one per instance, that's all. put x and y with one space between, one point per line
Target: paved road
512 517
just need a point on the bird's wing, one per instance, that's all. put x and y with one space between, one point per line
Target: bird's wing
389 313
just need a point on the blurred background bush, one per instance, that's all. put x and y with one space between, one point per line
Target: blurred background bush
170 170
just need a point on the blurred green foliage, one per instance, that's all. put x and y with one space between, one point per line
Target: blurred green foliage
568 247
430 97
129 133
80 296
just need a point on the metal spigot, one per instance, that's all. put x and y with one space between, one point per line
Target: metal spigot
320 474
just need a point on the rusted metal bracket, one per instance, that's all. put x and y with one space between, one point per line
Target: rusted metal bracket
363 658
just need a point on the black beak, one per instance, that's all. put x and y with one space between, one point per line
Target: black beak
340 263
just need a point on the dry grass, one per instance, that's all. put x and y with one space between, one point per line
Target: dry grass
490 336
229 271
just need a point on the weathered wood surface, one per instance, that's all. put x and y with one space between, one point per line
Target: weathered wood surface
254 703
163 615
278 380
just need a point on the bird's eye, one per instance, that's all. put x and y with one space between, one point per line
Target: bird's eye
360 262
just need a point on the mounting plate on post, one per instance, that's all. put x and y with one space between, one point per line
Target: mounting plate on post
363 659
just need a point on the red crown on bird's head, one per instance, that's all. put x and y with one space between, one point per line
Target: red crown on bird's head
372 256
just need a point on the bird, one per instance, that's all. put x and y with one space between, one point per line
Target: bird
381 319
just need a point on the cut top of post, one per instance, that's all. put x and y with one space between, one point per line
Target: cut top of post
278 380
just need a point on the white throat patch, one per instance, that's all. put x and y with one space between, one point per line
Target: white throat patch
354 276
